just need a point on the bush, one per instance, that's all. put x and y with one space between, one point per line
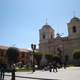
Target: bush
76 56
37 57
49 57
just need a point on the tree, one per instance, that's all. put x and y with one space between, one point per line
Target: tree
49 57
38 57
12 55
76 55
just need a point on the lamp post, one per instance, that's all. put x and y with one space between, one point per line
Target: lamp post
33 46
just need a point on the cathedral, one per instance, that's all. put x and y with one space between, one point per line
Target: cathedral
65 46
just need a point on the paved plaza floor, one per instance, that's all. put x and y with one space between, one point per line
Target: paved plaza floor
71 73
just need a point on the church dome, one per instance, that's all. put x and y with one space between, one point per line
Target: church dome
46 26
75 19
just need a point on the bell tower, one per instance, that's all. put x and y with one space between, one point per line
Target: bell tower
74 28
46 33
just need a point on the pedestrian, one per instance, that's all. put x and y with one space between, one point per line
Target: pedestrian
13 71
50 67
55 66
33 68
2 67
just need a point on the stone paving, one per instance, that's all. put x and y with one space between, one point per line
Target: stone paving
71 73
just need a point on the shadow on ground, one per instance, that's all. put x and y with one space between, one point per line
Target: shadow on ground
33 78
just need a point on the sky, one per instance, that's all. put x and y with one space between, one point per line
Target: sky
20 20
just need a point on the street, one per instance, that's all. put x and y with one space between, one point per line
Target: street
71 73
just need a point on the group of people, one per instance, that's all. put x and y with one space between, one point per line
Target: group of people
4 68
53 66
50 67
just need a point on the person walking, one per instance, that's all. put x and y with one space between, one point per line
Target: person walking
33 68
2 70
13 71
55 66
50 67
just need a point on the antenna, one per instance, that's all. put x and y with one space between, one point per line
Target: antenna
46 21
74 13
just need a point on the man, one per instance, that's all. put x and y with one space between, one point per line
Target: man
33 68
13 71
55 66
2 70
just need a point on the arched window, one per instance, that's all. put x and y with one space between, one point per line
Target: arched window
43 36
74 29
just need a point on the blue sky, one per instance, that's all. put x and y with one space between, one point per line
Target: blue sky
20 20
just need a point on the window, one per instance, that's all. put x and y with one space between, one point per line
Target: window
43 36
74 29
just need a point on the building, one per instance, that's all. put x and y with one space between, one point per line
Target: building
24 54
49 44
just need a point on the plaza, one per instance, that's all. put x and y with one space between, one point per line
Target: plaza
70 73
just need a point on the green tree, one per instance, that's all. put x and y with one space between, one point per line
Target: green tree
12 55
49 57
76 56
38 57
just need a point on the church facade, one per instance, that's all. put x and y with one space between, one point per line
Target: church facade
65 46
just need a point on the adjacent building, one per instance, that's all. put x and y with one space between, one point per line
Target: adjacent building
24 55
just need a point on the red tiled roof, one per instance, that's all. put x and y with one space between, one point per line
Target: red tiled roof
4 47
24 50
20 49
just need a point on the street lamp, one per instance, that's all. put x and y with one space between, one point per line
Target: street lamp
33 46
